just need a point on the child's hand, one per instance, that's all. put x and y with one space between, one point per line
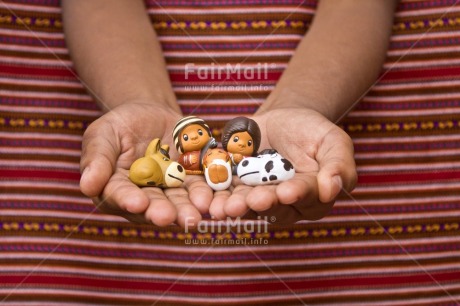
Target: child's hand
112 143
322 155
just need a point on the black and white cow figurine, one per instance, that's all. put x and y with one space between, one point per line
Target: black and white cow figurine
267 168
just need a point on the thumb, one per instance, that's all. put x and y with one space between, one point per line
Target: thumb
100 151
337 170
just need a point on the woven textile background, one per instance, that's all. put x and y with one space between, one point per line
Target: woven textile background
394 241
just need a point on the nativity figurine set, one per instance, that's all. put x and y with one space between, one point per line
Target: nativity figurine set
201 155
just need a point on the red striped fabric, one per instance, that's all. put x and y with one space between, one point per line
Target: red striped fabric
393 241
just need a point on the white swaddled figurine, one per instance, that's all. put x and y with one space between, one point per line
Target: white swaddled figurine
268 167
217 168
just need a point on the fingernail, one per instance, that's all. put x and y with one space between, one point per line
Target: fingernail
84 174
336 186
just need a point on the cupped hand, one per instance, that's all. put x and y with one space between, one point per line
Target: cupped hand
112 143
322 155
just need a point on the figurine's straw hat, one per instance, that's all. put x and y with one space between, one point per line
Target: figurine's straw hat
181 124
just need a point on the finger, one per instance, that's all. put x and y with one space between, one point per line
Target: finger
102 205
307 206
199 192
261 198
216 209
161 211
236 205
337 168
120 193
188 215
281 214
297 188
98 158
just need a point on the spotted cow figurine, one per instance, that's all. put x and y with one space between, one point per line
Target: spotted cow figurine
268 167
156 169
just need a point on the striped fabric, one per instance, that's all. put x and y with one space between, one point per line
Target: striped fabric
225 60
394 241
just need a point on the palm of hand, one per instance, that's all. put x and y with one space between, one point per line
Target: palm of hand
111 144
322 155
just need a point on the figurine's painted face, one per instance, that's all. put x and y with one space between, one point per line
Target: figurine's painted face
194 137
241 143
